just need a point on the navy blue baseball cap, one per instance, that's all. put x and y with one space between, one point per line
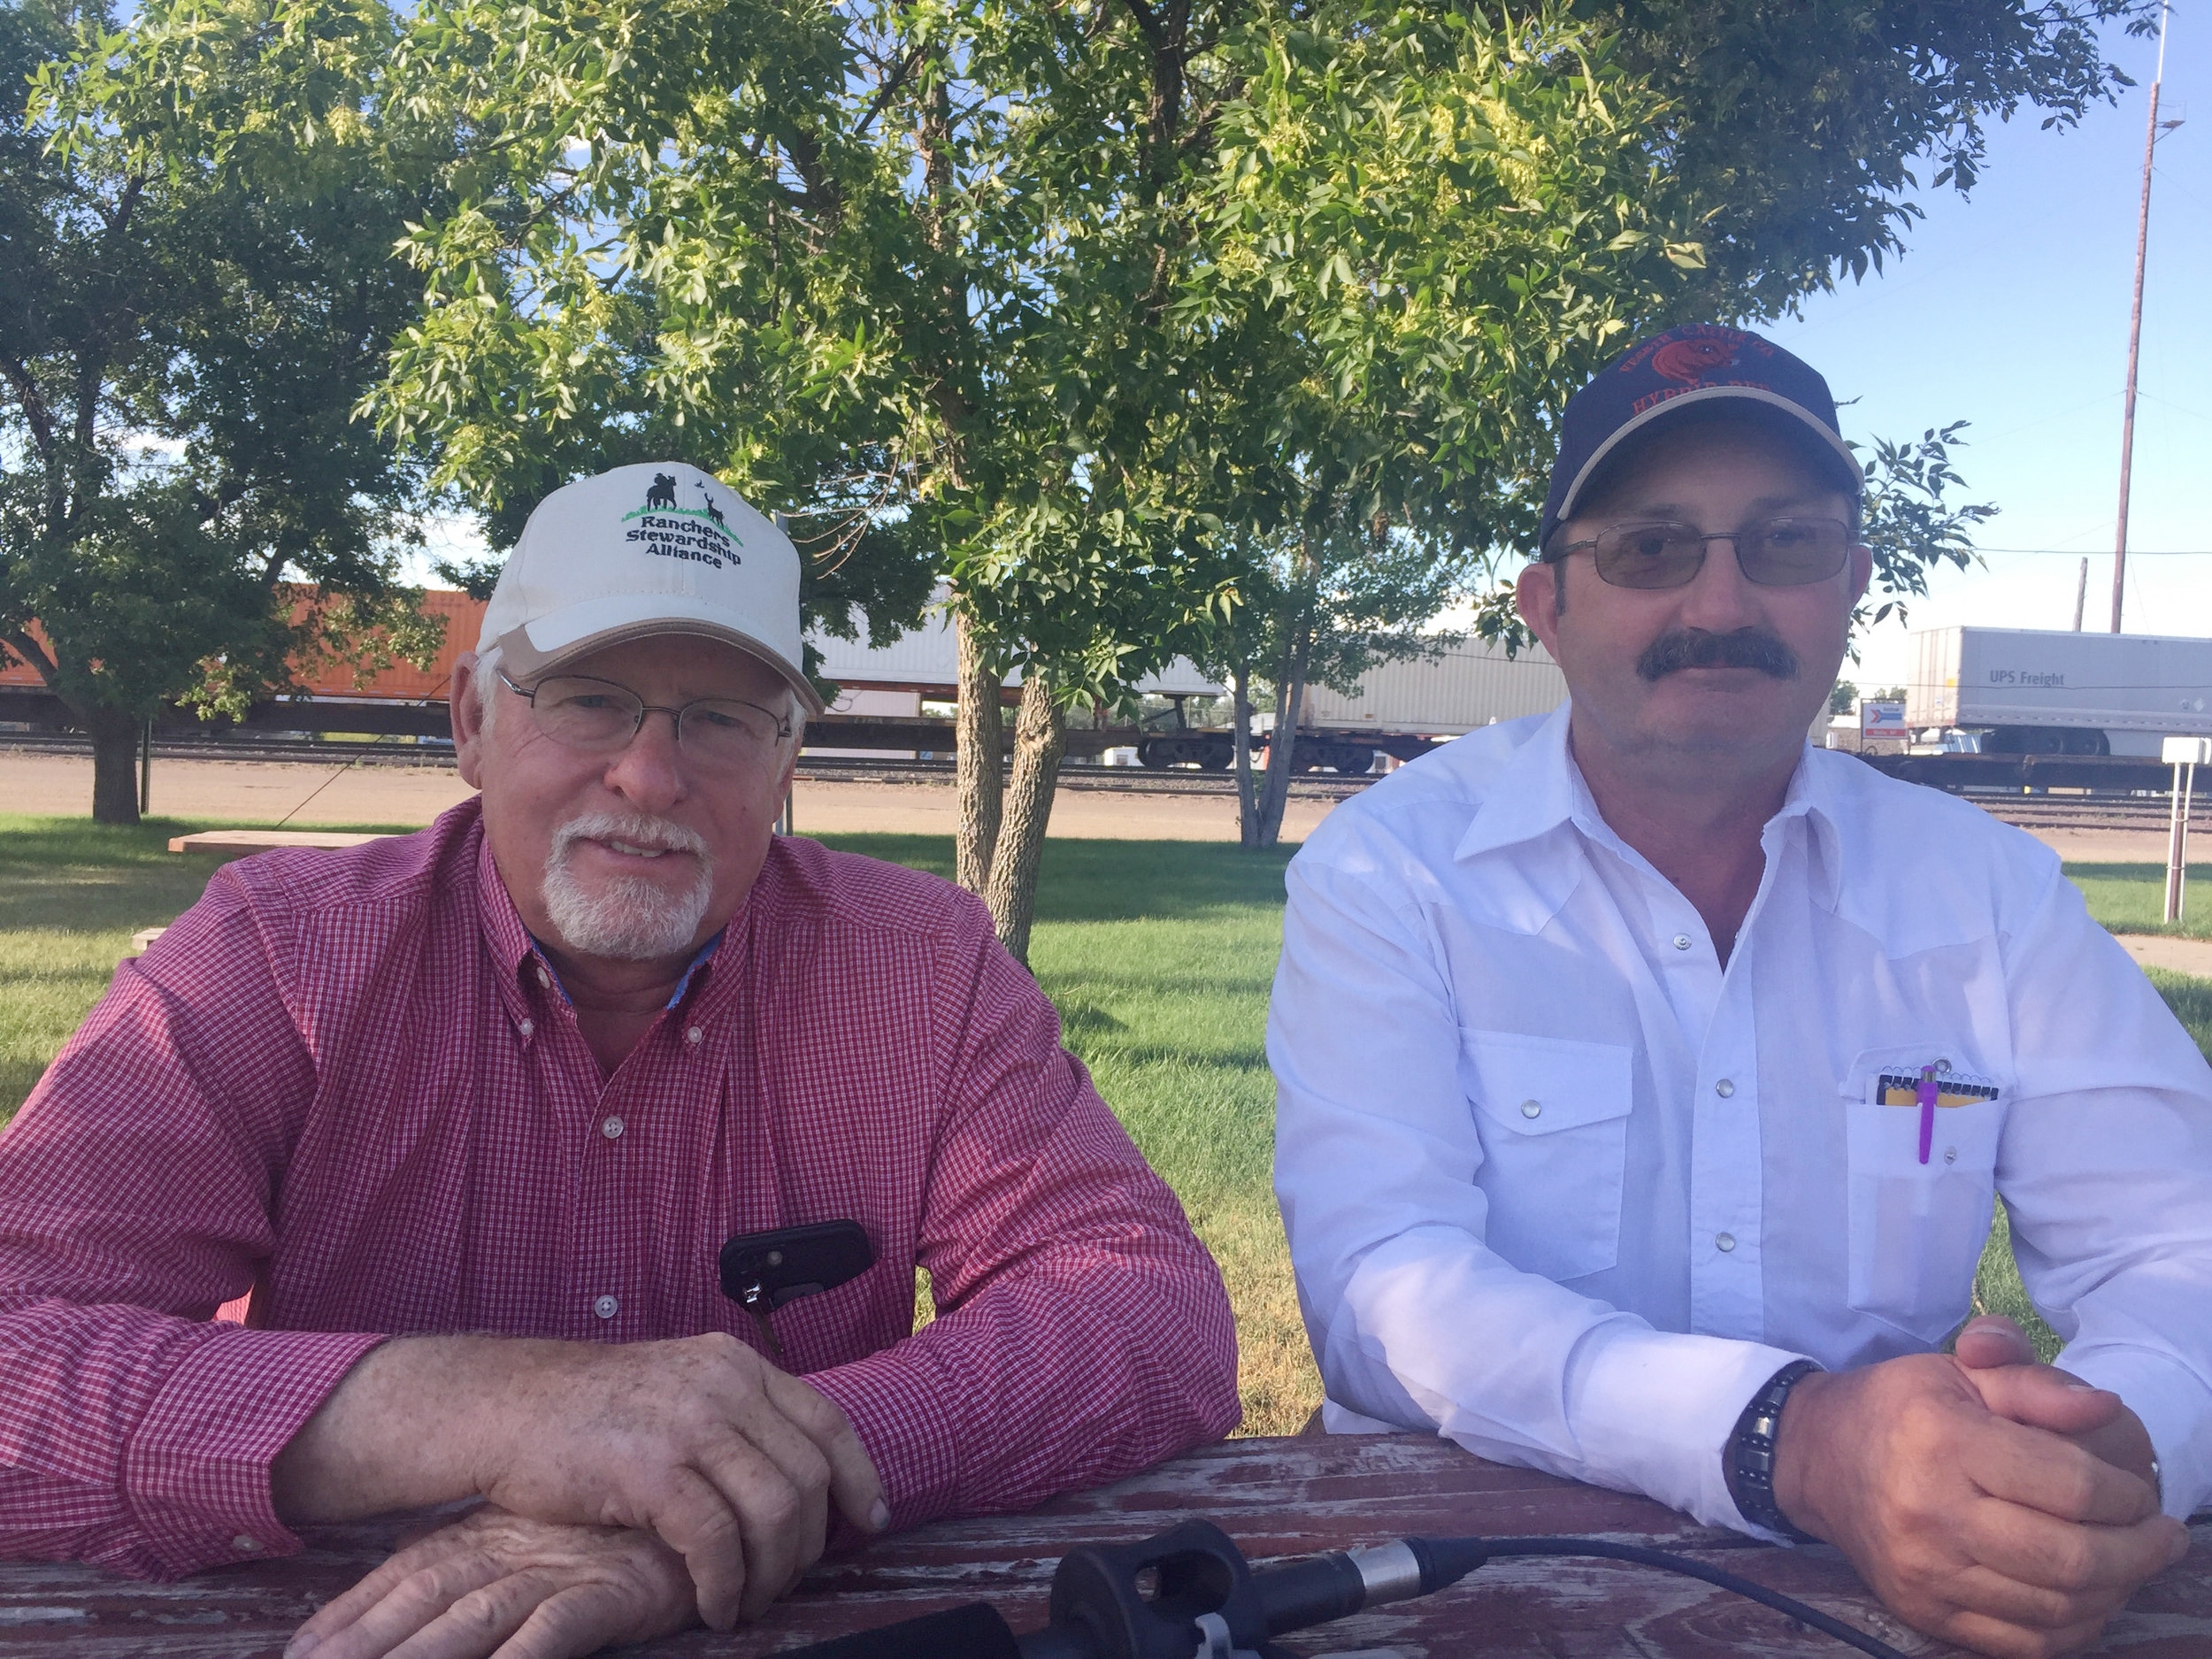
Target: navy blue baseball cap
1695 367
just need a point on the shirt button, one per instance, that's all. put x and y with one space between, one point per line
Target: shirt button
1531 1108
612 1129
526 1028
1726 1241
1725 1089
606 1307
1681 942
544 977
246 1544
1950 1155
695 1036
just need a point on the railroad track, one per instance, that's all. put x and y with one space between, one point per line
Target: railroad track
2039 812
812 769
1078 775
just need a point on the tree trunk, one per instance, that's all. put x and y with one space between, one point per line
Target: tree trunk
1240 742
114 735
978 762
1290 696
1040 738
1282 745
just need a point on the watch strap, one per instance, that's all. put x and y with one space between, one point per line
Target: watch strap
1748 1458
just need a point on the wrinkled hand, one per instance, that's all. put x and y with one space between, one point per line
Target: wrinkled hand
2001 1361
1971 1494
494 1583
701 1442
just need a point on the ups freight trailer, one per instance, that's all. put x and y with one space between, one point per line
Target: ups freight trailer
2045 708
1402 710
2030 691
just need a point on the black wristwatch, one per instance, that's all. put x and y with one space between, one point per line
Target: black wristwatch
1747 1459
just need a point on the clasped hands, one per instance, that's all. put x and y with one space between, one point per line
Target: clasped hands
1989 1500
629 1491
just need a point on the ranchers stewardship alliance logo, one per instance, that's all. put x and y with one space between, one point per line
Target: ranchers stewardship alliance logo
699 535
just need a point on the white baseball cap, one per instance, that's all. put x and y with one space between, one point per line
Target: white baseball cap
657 548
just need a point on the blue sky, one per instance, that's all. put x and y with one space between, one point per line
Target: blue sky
2010 310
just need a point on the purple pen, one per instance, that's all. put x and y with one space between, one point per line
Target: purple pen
1927 1109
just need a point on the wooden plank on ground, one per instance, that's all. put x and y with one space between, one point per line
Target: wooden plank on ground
262 840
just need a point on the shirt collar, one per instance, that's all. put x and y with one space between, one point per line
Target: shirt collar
698 960
1540 788
1533 794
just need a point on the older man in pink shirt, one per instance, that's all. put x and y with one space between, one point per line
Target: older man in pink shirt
469 1114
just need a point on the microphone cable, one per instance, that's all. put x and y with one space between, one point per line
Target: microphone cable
1789 1606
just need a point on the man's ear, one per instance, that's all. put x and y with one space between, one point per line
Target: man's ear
466 710
1536 595
1861 571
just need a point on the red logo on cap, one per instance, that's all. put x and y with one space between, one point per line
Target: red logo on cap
1699 357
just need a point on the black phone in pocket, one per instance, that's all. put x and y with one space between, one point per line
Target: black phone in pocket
763 1271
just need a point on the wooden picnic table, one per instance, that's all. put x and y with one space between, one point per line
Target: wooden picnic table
1278 1498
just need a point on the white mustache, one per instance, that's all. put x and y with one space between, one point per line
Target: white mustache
633 830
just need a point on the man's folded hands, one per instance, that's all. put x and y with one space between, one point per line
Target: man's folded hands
698 1443
497 1583
1996 1502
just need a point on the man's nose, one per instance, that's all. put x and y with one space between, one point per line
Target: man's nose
648 771
1720 598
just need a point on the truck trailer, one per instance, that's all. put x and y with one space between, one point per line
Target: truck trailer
2034 691
1402 710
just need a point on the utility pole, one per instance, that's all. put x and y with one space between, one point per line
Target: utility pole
2135 325
2081 595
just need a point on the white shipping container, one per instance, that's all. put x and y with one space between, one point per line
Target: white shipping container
2146 685
1474 685
927 659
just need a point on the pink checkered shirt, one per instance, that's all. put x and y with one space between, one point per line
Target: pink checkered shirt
343 1083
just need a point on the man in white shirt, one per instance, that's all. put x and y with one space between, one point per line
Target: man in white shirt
1645 1076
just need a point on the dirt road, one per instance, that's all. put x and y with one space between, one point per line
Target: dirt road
263 792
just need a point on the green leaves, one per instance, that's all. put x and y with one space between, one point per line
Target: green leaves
1911 524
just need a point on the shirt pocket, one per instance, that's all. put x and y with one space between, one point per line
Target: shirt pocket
1916 1229
1553 1118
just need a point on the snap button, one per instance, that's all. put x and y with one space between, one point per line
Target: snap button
606 1307
612 1129
695 1036
1681 942
1724 1089
1726 1241
1531 1108
246 1544
526 1028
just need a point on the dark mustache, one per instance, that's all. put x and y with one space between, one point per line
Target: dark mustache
1697 647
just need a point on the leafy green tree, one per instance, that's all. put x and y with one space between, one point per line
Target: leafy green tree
196 218
1322 604
1089 297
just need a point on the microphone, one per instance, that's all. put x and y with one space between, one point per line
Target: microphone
1098 1613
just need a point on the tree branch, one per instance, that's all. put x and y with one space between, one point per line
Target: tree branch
35 410
20 642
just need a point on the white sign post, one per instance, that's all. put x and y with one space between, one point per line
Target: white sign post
2184 755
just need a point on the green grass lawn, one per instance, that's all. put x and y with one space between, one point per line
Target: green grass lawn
1158 954
2132 898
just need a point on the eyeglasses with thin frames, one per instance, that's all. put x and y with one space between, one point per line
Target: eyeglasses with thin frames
1772 552
600 717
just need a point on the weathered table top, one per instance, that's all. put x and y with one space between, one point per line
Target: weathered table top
1278 1498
